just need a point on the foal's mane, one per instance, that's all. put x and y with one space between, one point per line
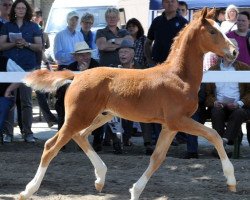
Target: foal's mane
188 32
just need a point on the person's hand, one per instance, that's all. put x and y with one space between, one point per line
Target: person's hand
8 94
20 43
218 104
232 106
83 66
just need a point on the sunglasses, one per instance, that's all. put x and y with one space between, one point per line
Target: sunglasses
7 5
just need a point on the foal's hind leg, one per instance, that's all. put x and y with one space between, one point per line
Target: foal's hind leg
192 127
51 148
156 160
82 141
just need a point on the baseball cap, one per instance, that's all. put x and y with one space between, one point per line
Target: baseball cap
72 14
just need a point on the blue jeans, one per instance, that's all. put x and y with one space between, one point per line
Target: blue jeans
5 106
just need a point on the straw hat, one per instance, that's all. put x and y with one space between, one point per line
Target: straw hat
81 47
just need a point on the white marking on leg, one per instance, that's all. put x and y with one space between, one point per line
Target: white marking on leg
139 186
228 170
35 183
99 165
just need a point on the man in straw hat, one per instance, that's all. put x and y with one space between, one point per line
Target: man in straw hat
83 61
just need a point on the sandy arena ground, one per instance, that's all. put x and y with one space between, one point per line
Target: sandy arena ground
71 176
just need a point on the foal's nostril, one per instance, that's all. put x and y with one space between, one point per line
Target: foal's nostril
234 53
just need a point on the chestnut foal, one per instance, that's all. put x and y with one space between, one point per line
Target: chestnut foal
165 94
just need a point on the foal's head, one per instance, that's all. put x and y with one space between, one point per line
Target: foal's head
210 38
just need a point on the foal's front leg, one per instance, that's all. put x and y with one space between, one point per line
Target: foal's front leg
192 127
156 160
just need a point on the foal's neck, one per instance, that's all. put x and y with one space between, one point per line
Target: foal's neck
186 59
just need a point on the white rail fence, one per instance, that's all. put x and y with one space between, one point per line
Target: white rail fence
208 77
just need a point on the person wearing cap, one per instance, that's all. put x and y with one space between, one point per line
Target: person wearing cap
109 39
126 53
83 61
65 40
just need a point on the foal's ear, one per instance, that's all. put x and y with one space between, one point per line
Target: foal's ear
204 13
211 13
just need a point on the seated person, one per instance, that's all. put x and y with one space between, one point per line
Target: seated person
126 56
6 92
83 61
229 102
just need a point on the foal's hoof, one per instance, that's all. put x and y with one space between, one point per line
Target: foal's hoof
232 188
99 186
21 197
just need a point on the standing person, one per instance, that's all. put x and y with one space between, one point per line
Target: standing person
160 38
22 49
65 41
231 18
220 15
5 6
42 97
162 32
87 22
108 40
135 29
183 9
6 92
241 36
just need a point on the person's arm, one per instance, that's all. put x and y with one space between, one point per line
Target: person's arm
148 52
36 46
119 40
59 52
104 45
4 45
11 88
46 40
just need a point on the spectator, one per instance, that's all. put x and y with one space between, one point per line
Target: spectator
135 29
110 38
240 35
5 6
87 22
229 102
231 17
160 38
65 41
83 61
162 32
22 49
126 55
42 97
220 15
6 91
183 9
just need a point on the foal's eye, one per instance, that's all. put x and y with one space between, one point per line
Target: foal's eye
212 32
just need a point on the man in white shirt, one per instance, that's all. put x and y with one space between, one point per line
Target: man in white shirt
229 102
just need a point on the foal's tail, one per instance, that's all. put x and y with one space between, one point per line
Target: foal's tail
48 81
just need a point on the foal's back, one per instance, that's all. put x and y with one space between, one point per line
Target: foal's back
129 93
